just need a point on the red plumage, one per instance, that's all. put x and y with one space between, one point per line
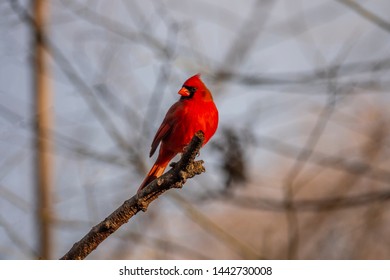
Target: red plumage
194 111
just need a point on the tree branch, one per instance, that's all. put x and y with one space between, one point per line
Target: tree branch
174 178
334 203
385 25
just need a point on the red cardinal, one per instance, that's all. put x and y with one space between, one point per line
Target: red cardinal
194 111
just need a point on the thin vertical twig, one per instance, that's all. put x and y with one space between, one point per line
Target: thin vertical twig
43 128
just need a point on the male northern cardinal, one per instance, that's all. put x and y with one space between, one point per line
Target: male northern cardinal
194 111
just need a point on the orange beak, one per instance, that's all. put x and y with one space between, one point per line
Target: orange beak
184 92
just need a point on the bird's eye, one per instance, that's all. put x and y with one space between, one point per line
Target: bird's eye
192 90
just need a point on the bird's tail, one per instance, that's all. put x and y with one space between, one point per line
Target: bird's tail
156 171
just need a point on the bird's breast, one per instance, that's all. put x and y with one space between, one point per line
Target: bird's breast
193 117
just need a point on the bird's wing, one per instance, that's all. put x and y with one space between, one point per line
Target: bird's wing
163 131
166 126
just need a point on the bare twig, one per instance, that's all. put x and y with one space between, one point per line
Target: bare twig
316 75
17 238
352 166
83 88
385 25
174 178
43 132
335 203
224 236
